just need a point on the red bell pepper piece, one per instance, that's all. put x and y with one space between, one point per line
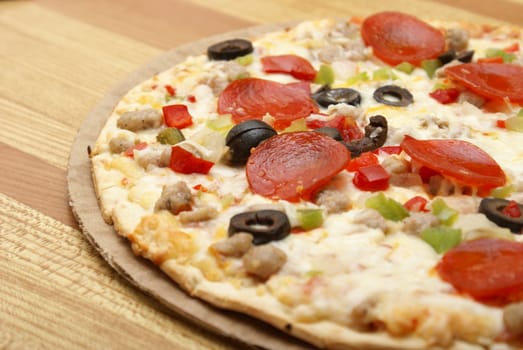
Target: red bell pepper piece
416 203
512 210
200 187
495 59
170 90
388 150
177 116
365 159
183 161
512 48
130 151
371 178
445 96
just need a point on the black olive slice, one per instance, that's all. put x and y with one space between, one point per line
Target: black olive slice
447 57
375 137
229 49
323 89
393 95
245 136
246 126
326 96
377 130
329 131
493 207
263 225
465 56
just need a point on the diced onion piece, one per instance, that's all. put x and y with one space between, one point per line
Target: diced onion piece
221 124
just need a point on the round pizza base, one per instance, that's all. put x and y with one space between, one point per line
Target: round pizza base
117 251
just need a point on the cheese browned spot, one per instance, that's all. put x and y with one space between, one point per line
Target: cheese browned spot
159 238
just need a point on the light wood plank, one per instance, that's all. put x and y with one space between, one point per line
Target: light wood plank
160 23
36 134
507 10
58 293
58 69
284 10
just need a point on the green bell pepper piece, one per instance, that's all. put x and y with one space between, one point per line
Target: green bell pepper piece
405 67
310 218
325 75
430 66
170 136
446 215
441 238
387 207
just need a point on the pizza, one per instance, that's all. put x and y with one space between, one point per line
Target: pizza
355 183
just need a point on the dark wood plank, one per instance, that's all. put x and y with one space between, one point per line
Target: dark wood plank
161 23
32 181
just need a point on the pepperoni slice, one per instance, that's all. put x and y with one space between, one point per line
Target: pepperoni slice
489 270
457 160
294 65
397 37
294 166
495 81
253 98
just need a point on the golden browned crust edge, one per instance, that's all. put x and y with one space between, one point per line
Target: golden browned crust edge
103 210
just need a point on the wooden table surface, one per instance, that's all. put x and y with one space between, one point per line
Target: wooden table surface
57 59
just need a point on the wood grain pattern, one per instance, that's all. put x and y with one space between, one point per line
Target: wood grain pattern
165 24
507 11
58 69
58 59
41 189
284 10
58 293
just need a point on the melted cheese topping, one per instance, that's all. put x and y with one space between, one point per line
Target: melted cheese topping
354 261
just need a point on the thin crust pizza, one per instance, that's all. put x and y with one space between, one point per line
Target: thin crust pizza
355 183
